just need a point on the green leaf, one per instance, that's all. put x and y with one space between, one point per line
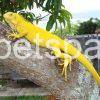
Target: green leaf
57 7
62 20
28 15
67 16
50 23
48 4
41 2
30 4
65 13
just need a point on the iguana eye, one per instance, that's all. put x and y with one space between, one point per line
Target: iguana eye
11 14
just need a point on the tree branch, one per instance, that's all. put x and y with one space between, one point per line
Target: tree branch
42 72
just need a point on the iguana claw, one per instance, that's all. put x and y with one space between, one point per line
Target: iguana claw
64 71
13 36
65 64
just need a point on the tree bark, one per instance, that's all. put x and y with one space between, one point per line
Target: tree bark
43 72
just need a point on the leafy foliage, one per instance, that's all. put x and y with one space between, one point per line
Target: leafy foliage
28 15
55 8
65 32
97 21
87 27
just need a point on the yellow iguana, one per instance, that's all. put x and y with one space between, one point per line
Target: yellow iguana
29 31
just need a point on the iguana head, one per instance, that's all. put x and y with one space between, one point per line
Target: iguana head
13 19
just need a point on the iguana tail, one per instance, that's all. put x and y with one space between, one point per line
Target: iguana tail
81 58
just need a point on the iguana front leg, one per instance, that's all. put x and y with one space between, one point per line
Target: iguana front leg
13 36
16 35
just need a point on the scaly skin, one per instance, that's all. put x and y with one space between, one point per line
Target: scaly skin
30 31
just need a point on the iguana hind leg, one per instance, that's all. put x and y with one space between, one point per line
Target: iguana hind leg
66 61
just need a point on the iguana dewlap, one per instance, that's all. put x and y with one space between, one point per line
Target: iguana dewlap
29 31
